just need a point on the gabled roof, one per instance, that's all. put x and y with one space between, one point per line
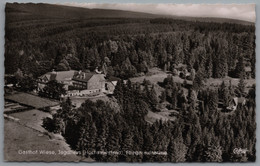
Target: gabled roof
59 75
85 77
65 75
82 76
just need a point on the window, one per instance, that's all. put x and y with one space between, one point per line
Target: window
106 86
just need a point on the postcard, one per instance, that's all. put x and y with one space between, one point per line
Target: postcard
96 82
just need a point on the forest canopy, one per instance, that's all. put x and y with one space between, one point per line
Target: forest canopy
38 42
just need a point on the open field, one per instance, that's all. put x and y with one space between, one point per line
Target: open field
26 99
32 118
234 81
13 107
27 133
166 112
153 78
156 75
152 117
215 82
20 138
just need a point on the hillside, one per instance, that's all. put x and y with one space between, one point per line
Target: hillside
42 37
47 11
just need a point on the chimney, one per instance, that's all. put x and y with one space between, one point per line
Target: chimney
53 71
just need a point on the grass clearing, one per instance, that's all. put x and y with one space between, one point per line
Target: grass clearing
216 82
234 81
152 117
31 100
12 107
32 118
18 137
156 75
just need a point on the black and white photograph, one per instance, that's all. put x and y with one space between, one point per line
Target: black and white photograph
129 82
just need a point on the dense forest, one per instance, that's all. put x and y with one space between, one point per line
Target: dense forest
200 133
128 44
123 46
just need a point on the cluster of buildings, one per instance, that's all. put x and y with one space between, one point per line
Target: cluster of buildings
79 83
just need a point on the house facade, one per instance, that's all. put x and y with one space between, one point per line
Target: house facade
89 81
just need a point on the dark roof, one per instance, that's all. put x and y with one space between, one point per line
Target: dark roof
82 76
85 77
59 75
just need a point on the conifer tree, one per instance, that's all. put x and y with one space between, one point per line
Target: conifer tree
240 67
214 153
126 145
177 150
241 86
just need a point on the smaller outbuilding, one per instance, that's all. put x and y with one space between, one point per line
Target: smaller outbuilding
235 102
